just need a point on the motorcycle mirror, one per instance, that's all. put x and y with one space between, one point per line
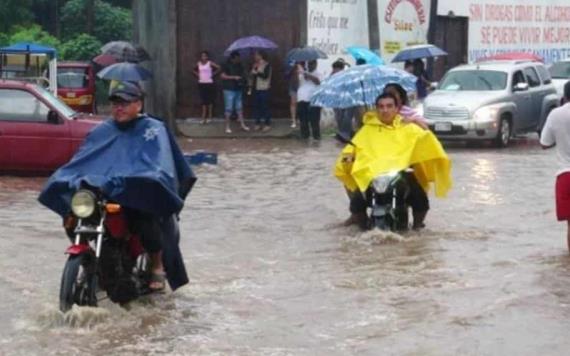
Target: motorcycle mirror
342 138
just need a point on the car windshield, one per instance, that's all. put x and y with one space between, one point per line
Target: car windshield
560 70
475 80
72 78
58 104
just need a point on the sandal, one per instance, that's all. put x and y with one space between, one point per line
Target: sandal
157 279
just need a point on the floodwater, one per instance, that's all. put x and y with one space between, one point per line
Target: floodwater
272 273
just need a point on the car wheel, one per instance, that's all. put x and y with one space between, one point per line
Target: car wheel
504 134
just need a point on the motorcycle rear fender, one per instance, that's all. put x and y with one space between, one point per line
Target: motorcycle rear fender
80 249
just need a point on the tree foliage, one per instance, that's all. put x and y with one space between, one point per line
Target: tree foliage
14 12
33 34
83 47
110 22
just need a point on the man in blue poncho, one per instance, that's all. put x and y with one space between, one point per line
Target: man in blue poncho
134 160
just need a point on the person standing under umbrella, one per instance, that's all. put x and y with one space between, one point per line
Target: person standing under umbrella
233 83
205 71
309 116
343 116
423 83
261 83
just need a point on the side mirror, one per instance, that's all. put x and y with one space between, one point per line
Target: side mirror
342 138
433 85
53 117
521 87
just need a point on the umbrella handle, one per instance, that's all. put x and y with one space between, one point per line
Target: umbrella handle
363 93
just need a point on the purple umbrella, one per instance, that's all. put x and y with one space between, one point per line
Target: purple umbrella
250 43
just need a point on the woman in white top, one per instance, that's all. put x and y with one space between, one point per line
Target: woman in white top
205 70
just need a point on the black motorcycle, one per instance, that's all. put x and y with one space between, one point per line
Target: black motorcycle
389 209
104 254
386 198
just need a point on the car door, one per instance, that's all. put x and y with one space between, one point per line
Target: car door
537 93
522 99
34 143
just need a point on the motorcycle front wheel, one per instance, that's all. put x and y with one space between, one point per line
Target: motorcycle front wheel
78 283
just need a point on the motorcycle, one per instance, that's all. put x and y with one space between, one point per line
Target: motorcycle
104 254
386 198
389 193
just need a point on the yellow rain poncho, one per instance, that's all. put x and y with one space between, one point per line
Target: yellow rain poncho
382 148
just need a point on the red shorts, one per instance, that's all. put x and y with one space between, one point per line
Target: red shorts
563 196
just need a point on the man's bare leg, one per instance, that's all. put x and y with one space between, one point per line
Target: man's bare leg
242 121
157 270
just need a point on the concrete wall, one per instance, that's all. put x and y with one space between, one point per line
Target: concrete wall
155 29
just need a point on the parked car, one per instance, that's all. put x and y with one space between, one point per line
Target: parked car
491 101
560 73
38 132
76 85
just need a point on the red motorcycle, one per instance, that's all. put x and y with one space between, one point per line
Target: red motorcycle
104 255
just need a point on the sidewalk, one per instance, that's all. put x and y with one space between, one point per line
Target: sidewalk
280 128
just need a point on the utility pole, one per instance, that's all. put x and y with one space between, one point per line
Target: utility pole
373 25
431 34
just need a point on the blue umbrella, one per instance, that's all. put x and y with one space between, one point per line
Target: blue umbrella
250 43
359 86
125 71
419 51
305 54
365 54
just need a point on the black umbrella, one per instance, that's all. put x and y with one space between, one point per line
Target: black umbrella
124 51
305 54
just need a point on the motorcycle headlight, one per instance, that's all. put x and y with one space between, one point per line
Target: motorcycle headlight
486 114
381 183
83 204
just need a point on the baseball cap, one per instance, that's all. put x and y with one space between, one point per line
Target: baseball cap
127 91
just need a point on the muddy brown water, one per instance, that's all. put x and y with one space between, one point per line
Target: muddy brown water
273 274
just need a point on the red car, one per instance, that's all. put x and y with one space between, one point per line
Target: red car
76 85
38 132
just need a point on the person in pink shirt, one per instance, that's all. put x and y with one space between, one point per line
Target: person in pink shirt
205 70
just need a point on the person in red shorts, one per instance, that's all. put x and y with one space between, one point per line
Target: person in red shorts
556 133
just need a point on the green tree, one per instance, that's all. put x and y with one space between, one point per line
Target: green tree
14 12
4 40
33 34
110 22
81 48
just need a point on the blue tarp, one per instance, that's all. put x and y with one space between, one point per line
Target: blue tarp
141 168
26 47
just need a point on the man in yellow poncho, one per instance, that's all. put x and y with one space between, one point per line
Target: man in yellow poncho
385 144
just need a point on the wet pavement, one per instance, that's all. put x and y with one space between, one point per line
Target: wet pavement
273 274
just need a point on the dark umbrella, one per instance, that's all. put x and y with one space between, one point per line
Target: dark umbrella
418 51
250 43
305 54
124 51
104 60
125 71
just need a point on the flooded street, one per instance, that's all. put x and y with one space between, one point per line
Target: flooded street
273 274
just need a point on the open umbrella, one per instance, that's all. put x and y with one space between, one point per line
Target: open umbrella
124 51
250 43
365 54
418 51
512 56
104 60
125 71
305 54
359 86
